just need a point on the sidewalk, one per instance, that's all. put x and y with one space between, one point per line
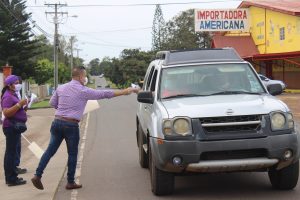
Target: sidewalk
293 102
39 122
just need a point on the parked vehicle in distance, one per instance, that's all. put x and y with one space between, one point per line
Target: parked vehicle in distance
207 111
268 81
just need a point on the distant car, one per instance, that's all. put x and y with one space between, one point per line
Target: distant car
268 81
101 75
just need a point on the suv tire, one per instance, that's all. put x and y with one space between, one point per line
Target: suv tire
162 183
143 156
286 178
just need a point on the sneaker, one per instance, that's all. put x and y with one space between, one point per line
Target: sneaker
21 170
19 181
17 178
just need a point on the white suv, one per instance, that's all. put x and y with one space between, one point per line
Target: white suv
266 81
207 111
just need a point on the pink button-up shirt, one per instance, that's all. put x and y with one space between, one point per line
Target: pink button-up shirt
70 99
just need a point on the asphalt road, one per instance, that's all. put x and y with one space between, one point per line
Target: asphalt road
100 82
110 168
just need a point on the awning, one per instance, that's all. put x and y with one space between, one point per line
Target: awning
277 56
244 45
280 56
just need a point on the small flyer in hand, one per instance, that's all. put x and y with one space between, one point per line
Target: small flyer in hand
135 86
33 99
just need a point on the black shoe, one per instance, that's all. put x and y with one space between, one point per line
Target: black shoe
17 178
21 170
19 181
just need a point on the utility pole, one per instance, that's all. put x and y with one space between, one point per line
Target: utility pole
72 40
55 43
77 50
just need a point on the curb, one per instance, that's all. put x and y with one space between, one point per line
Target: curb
292 91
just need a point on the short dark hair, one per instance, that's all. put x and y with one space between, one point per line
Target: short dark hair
77 71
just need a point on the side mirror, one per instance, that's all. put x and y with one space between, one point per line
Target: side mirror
145 97
267 79
275 89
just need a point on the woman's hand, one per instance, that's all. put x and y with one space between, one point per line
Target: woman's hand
23 102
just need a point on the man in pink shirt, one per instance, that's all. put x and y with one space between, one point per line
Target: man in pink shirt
69 100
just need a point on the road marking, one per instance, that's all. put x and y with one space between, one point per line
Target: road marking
74 193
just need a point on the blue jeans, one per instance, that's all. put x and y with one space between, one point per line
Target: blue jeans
61 130
12 139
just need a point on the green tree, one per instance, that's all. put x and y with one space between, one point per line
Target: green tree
180 33
134 64
17 44
129 68
64 73
106 65
158 29
43 71
45 48
94 66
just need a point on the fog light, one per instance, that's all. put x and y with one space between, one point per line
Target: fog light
287 154
177 160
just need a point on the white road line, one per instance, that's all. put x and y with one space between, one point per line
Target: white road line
74 193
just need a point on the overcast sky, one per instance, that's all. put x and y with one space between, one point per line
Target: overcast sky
107 30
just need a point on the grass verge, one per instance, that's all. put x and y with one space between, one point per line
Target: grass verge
41 104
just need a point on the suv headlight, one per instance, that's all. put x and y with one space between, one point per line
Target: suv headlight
177 127
281 121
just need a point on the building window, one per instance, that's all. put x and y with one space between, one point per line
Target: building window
282 34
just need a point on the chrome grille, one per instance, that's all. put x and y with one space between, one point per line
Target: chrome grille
244 123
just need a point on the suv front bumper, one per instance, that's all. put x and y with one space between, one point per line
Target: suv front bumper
190 151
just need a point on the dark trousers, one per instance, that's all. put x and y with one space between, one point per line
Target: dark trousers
18 153
62 130
12 139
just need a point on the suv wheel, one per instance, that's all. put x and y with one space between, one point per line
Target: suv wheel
162 183
143 156
286 178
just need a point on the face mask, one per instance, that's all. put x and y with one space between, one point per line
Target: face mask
18 87
86 80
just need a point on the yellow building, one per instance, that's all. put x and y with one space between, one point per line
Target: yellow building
272 44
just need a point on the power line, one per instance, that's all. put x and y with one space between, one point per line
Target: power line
143 4
111 31
35 25
108 45
87 34
37 17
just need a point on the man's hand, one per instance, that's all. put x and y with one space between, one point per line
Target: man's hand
130 90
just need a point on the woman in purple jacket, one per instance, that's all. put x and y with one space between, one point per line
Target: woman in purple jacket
13 110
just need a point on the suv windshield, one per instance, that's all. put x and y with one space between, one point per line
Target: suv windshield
205 80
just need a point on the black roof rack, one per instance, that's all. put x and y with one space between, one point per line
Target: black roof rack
173 57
